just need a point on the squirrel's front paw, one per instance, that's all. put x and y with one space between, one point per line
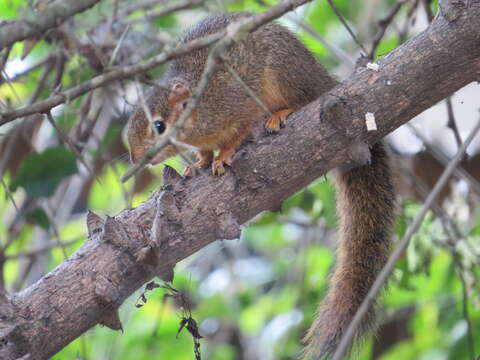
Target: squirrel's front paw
204 158
217 167
189 171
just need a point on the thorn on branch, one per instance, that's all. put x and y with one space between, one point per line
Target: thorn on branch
113 232
358 154
228 227
95 224
171 176
106 292
111 319
451 10
146 256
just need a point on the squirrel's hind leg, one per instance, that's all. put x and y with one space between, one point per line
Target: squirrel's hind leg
277 120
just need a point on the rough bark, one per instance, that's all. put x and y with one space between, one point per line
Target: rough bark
38 22
185 215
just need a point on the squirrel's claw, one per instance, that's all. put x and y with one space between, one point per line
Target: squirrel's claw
217 167
204 159
277 120
224 157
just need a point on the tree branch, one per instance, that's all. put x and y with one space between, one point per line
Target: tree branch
36 24
126 251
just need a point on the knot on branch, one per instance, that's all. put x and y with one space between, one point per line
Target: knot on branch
358 154
106 292
166 224
108 295
228 227
13 344
451 10
114 233
95 224
111 319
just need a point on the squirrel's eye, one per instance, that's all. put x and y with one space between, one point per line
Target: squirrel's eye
160 126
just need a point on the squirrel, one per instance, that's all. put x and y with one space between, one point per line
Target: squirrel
285 76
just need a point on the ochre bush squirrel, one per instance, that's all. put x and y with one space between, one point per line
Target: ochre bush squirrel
285 76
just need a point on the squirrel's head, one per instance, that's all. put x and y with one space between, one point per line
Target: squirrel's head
165 105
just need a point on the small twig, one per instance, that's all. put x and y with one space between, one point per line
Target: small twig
119 45
247 89
53 226
60 62
167 9
428 10
388 268
42 249
9 194
336 51
9 83
143 102
116 73
145 5
384 24
41 82
451 121
460 172
67 141
52 16
466 314
4 58
344 22
39 64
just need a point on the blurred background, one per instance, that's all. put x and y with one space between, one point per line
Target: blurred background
253 298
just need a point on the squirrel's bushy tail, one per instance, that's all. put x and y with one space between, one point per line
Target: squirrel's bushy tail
366 207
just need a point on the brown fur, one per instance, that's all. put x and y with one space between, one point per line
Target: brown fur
284 75
366 205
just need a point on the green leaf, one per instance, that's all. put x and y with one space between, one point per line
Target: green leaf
40 174
166 22
38 217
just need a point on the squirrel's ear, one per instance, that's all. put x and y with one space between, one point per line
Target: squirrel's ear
178 93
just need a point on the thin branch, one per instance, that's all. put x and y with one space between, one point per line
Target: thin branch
9 194
116 73
460 172
67 141
388 268
384 24
41 249
52 16
336 51
344 22
39 64
167 9
145 5
451 121
4 58
247 89
466 315
119 45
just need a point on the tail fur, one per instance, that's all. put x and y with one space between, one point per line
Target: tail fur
366 207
